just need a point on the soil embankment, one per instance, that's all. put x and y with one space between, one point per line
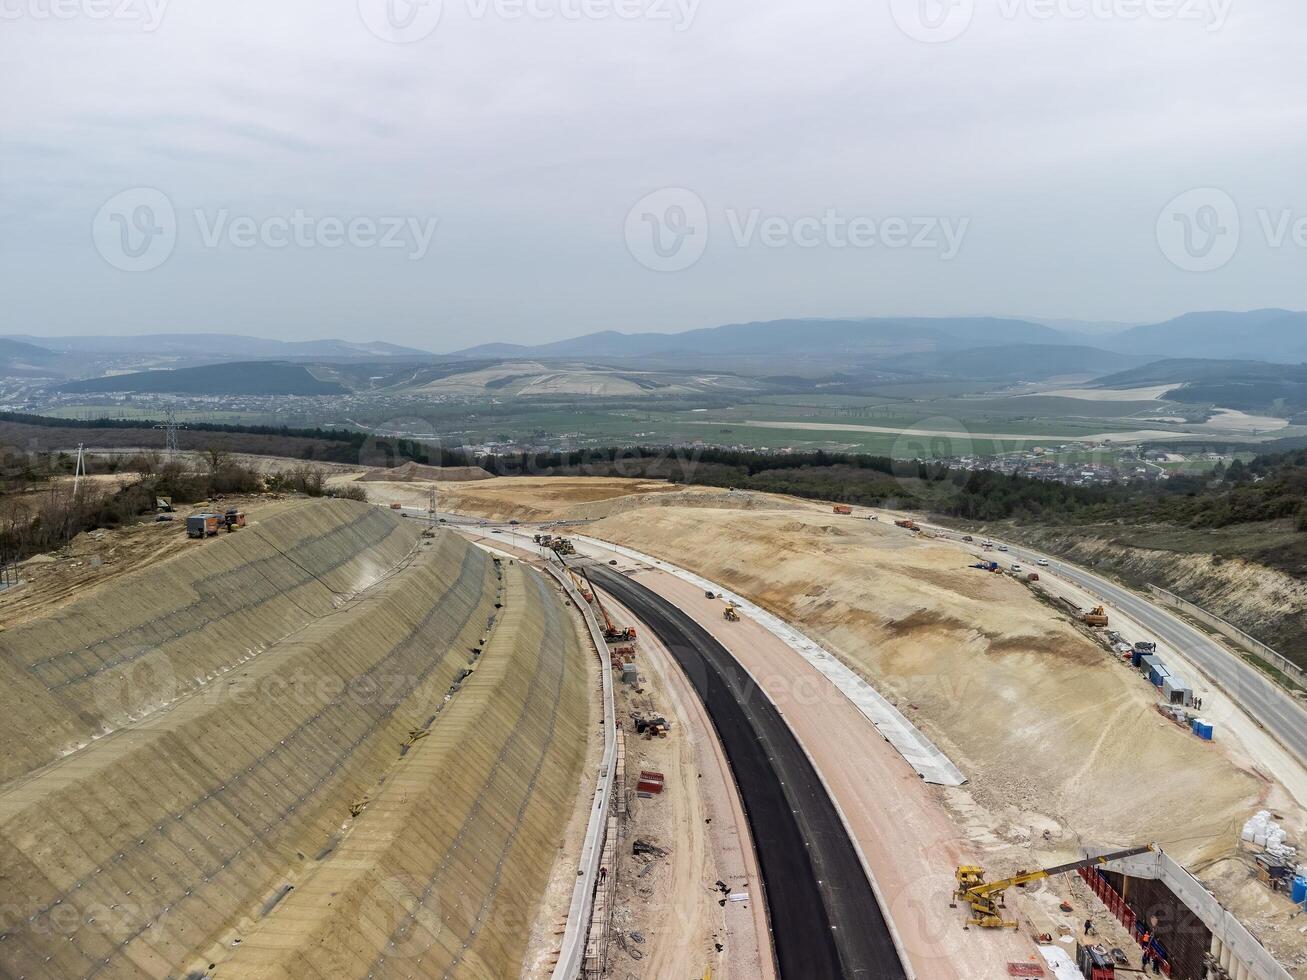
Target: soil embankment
263 751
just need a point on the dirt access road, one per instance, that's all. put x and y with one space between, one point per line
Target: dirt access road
700 820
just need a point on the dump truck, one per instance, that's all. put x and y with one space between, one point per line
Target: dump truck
1096 617
909 524
842 509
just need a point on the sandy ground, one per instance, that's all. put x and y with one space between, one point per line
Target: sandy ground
550 498
1063 745
1230 420
95 558
674 905
1149 394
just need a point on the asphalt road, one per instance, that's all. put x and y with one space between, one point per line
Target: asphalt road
824 917
1261 697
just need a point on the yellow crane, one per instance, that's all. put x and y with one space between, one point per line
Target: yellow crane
985 898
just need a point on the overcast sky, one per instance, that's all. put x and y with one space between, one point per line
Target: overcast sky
526 170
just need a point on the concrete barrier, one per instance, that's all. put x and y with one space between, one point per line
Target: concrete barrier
1250 643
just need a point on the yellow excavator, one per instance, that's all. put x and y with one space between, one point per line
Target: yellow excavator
985 898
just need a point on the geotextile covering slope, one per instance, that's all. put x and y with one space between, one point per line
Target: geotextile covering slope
188 747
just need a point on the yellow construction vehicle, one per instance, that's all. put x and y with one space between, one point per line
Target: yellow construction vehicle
731 613
985 898
1095 617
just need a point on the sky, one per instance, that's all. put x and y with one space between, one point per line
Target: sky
444 174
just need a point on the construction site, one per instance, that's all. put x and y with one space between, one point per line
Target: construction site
1017 679
574 727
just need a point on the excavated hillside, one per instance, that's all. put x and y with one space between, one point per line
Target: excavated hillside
1053 736
299 750
1267 602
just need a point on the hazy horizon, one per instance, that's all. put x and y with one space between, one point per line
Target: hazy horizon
474 170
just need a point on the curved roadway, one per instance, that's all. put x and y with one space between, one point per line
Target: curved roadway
824 916
1263 699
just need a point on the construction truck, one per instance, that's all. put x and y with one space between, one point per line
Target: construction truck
202 525
843 509
909 524
1096 617
984 899
731 613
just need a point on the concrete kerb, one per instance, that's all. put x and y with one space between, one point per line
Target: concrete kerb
572 954
918 751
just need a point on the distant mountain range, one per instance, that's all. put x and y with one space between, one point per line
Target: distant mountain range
1270 335
879 335
1265 335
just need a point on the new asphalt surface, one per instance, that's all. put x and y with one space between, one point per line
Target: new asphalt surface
824 917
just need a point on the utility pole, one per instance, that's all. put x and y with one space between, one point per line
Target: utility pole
80 470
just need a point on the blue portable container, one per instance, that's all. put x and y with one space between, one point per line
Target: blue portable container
1205 731
1298 891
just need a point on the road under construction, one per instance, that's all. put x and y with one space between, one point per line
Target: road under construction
825 917
1047 767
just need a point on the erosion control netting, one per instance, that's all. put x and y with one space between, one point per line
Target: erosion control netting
338 632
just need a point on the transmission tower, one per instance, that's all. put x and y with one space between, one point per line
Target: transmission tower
170 428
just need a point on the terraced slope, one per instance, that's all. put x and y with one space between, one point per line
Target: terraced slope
190 746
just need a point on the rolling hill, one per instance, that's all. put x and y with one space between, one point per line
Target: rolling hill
242 378
875 336
1249 386
1269 335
